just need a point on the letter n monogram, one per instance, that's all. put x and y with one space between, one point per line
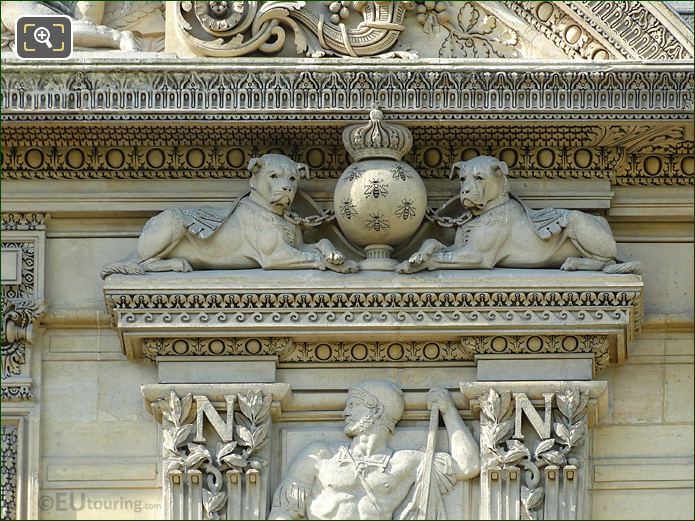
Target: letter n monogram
541 425
205 408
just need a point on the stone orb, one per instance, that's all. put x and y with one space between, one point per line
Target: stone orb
379 202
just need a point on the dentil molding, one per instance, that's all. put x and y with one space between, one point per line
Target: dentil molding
448 315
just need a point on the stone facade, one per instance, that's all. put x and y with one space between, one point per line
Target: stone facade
174 347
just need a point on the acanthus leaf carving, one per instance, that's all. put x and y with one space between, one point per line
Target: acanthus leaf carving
478 35
260 27
18 318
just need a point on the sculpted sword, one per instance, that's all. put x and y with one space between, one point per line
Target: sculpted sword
428 462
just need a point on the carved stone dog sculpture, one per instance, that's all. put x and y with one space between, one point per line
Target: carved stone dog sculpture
503 232
252 233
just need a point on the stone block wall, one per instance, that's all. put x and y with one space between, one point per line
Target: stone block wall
100 449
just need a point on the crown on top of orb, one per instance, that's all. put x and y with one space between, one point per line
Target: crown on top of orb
377 139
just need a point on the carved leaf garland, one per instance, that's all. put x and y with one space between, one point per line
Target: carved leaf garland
478 36
252 435
516 451
553 457
569 428
225 450
543 446
197 454
213 501
571 403
531 500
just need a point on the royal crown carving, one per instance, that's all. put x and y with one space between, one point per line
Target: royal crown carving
377 139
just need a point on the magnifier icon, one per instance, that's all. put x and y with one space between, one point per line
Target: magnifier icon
43 35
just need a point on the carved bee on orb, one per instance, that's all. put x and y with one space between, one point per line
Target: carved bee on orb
400 173
376 188
377 222
406 210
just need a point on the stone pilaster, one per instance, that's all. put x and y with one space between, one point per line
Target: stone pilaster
23 258
216 445
534 446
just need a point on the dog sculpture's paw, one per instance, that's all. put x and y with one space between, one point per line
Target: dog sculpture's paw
347 266
334 257
569 265
409 267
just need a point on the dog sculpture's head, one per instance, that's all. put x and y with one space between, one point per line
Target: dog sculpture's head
483 179
274 178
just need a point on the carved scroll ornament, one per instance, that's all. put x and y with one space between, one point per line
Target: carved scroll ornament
225 25
243 28
18 318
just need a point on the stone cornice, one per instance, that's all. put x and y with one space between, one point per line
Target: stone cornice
161 88
430 306
159 117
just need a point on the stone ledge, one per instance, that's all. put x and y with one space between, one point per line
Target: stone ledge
173 89
312 306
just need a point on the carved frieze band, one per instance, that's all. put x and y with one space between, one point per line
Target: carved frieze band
602 30
325 93
540 344
15 221
289 352
432 161
12 391
227 303
156 347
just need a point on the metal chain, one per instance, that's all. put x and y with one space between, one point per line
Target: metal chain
311 221
447 222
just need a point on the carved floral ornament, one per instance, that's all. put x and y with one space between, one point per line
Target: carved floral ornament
289 352
580 30
242 28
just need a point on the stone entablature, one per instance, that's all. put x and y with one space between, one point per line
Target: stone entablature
545 119
189 314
